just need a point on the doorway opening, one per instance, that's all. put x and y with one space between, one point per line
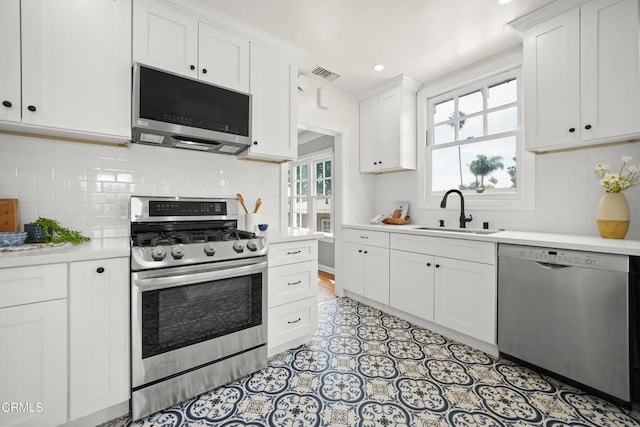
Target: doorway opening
310 195
329 262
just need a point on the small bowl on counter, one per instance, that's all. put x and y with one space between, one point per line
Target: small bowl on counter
12 239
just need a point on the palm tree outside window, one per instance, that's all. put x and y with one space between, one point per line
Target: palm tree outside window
473 138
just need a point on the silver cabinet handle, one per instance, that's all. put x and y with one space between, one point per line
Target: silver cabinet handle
293 253
294 283
295 321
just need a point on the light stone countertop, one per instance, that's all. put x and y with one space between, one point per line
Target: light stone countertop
579 242
94 249
119 247
289 235
114 248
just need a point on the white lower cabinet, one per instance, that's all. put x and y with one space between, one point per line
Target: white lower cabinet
98 335
366 264
33 333
466 298
292 279
450 282
411 276
292 321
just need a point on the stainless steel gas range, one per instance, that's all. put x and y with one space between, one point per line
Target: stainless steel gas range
198 299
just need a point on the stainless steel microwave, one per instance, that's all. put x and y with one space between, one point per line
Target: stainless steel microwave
170 110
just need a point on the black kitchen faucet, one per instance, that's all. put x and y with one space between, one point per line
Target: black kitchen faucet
463 218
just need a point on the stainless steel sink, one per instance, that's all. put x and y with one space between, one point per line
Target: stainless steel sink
459 230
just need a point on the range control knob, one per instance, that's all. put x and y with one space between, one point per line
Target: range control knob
252 245
209 248
238 246
159 253
177 251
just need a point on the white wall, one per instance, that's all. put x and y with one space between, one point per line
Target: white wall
85 186
344 110
567 195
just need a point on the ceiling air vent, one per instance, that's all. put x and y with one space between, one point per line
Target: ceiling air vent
324 73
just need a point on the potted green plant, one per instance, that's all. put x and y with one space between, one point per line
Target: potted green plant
55 233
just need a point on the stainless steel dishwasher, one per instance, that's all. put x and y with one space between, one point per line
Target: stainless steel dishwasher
568 313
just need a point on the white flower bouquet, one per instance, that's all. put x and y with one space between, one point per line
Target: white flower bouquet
615 182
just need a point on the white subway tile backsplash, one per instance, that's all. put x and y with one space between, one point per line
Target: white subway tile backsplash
84 185
34 171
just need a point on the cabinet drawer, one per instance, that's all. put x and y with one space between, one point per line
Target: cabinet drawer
25 285
292 282
366 237
290 321
469 250
292 252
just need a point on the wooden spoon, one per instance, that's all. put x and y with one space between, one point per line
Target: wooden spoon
241 200
257 206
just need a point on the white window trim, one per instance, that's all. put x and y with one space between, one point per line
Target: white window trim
326 154
525 198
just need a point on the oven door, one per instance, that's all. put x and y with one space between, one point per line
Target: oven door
187 317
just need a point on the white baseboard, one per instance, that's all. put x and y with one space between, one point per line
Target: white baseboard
100 417
326 269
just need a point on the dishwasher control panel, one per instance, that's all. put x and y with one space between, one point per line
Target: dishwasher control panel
600 261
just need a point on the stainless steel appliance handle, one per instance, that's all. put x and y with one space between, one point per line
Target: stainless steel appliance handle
205 275
550 266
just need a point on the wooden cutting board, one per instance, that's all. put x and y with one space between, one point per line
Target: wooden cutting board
9 218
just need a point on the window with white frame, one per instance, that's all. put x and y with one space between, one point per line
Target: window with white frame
310 192
474 141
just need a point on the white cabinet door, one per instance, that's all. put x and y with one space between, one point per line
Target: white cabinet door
581 76
292 282
99 335
353 268
273 86
390 129
465 298
293 321
165 38
610 76
223 58
376 274
33 363
10 54
411 284
369 135
551 75
76 65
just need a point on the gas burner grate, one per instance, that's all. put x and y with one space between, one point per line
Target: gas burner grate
165 238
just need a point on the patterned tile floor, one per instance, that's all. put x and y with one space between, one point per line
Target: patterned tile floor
368 368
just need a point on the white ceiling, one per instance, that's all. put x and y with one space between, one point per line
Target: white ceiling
423 39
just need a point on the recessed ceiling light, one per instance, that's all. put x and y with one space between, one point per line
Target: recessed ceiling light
378 67
504 1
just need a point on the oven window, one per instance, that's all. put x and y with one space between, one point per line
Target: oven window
181 316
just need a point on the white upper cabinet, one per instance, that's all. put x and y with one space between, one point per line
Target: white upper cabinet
582 76
177 41
10 54
76 65
66 74
195 41
388 127
223 58
273 86
165 37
